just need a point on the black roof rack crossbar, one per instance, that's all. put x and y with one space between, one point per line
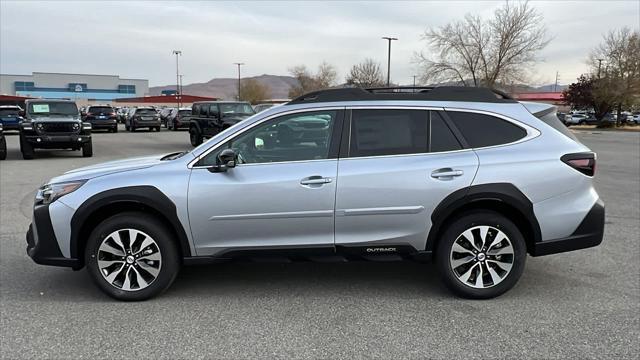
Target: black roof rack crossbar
442 93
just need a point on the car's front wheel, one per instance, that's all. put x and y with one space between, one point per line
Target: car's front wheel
131 257
195 136
481 255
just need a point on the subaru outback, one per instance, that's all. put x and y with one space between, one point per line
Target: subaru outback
466 177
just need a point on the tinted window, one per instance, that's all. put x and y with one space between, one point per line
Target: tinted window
213 110
9 112
482 130
442 139
551 119
147 112
195 110
100 109
236 108
203 110
53 108
388 132
297 137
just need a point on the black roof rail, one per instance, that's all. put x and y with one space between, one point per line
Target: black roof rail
441 93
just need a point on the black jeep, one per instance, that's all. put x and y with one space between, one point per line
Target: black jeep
210 117
54 124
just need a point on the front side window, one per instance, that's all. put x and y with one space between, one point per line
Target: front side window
482 130
296 137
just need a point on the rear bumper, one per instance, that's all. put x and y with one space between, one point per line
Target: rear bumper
104 124
589 233
146 123
42 245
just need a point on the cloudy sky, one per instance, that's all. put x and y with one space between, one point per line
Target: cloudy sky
135 39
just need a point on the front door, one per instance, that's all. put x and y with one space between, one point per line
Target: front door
281 194
400 165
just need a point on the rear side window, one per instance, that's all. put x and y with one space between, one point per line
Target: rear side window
388 132
441 138
195 110
551 118
482 130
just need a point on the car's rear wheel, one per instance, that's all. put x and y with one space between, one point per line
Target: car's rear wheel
3 149
481 255
131 257
195 136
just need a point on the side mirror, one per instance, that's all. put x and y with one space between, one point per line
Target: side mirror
226 160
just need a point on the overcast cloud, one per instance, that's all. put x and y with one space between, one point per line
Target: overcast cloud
135 39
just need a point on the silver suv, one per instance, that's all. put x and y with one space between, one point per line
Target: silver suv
466 177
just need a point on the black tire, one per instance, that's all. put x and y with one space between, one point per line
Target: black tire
133 128
3 149
26 149
169 255
115 129
194 136
582 122
453 232
126 127
158 128
87 149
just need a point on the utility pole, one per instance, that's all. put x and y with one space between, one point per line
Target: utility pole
599 66
389 39
177 53
181 87
414 83
555 86
239 64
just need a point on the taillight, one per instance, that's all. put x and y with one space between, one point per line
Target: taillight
583 162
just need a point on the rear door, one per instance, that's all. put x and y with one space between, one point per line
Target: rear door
397 166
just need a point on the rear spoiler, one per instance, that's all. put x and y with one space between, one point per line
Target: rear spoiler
539 109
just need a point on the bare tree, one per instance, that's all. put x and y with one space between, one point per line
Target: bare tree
615 65
366 74
481 52
253 91
307 82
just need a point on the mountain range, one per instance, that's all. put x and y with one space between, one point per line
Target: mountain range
279 85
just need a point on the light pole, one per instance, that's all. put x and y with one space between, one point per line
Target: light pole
389 39
180 86
414 83
239 64
177 53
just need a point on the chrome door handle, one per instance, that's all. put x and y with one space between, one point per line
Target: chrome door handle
446 173
315 180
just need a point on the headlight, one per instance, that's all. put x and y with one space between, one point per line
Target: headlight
51 192
39 126
76 126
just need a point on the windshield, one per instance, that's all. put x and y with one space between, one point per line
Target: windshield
184 112
237 108
100 110
9 112
53 108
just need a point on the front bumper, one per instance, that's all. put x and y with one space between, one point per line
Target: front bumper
42 245
588 234
57 141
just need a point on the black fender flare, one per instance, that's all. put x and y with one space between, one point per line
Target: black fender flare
196 124
502 193
147 196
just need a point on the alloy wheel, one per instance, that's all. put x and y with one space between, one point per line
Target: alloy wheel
481 257
129 259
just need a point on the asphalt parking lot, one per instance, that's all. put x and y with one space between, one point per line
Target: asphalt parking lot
584 304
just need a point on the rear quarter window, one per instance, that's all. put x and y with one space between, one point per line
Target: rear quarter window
551 118
481 130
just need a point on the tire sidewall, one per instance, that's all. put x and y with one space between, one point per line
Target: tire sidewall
152 227
465 222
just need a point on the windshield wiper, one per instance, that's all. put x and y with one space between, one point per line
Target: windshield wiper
173 156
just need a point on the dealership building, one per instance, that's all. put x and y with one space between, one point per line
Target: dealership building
83 88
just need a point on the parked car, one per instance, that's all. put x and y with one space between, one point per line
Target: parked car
53 124
635 118
164 115
142 117
463 177
579 119
208 118
101 117
262 107
10 117
179 118
3 143
121 114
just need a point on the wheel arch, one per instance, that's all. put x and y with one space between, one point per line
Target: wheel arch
503 198
101 206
